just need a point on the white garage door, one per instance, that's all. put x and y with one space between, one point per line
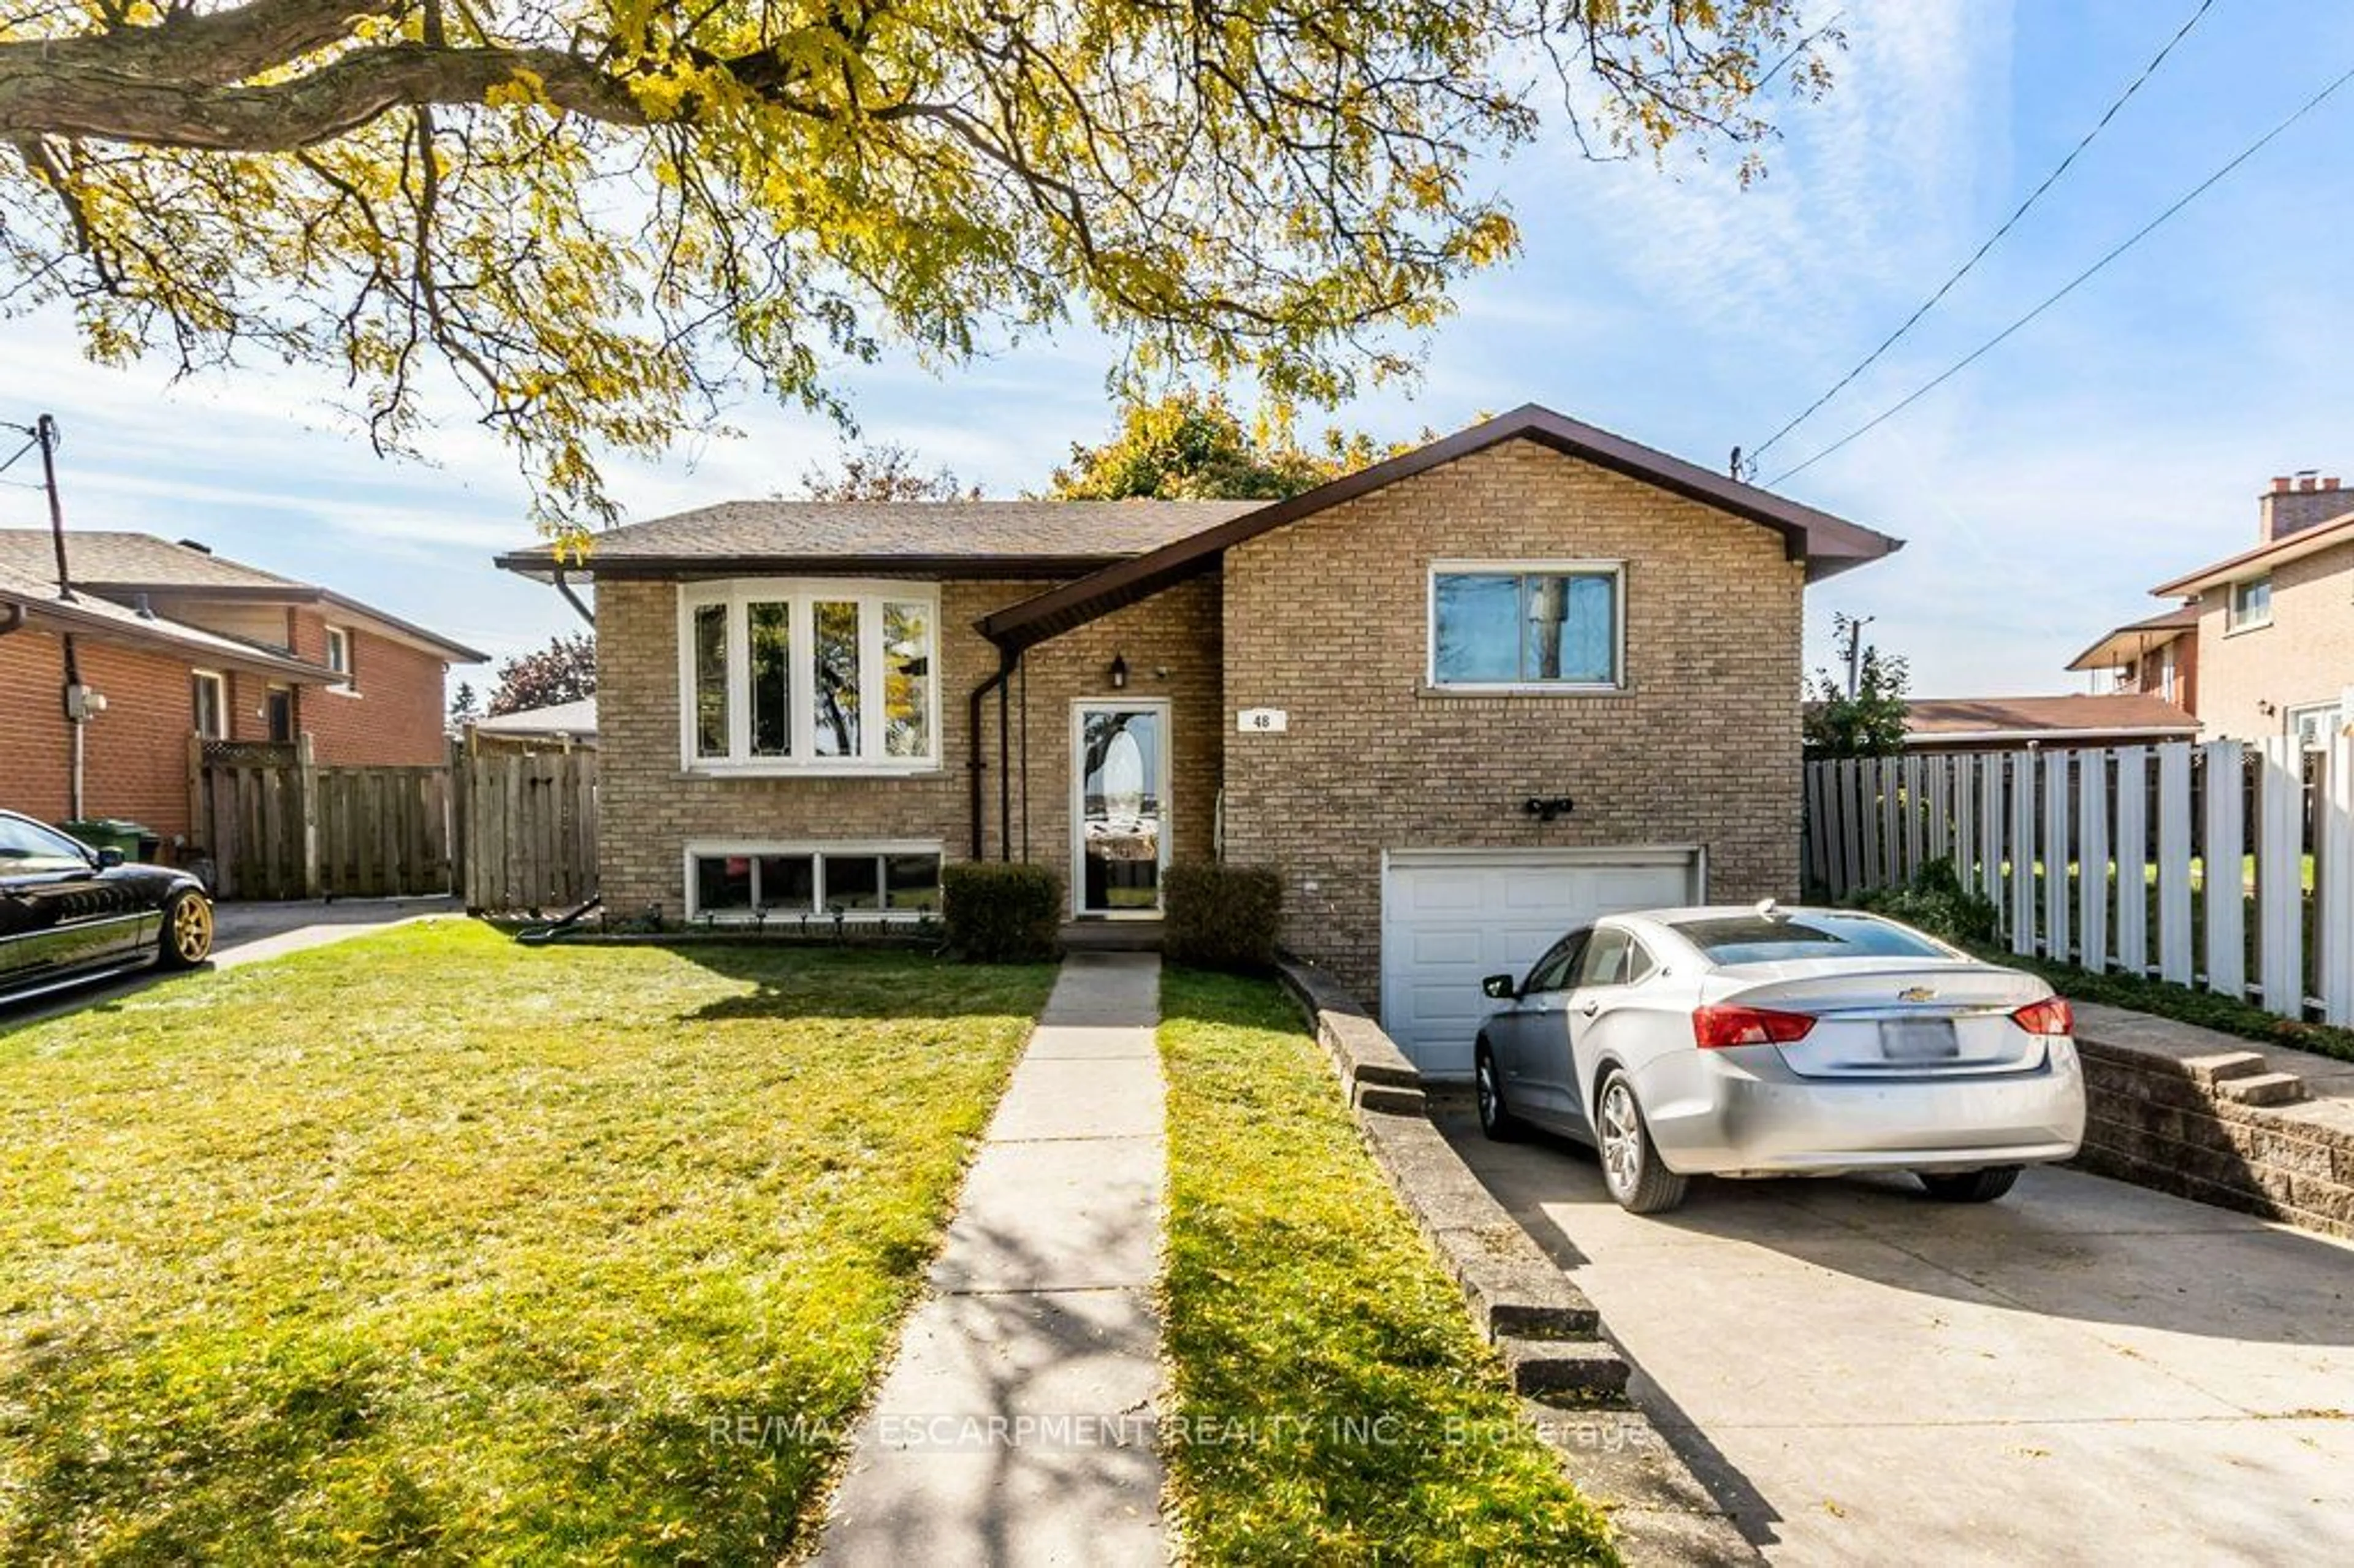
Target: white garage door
1450 917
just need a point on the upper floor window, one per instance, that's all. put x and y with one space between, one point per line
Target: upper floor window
339 652
2252 604
208 697
1544 625
780 675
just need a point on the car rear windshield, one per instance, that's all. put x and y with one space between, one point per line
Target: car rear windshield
1754 939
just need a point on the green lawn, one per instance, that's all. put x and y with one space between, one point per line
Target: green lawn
1331 1400
427 1245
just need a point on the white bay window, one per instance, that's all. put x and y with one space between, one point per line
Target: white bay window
820 675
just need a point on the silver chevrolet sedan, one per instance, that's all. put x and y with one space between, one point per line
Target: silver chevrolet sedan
1762 1041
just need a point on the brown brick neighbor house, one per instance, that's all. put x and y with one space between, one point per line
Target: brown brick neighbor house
174 642
1461 700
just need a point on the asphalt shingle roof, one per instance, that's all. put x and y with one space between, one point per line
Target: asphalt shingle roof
1937 718
116 557
917 530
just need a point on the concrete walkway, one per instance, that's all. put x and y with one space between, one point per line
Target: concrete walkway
1016 1426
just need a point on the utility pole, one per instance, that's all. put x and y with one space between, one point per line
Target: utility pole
44 433
1853 626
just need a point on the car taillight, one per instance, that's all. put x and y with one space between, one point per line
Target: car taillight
1715 1028
2053 1015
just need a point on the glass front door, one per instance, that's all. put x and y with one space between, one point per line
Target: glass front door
1120 769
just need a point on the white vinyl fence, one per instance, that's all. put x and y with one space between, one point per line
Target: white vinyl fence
2221 865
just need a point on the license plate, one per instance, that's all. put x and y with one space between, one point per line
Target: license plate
1918 1040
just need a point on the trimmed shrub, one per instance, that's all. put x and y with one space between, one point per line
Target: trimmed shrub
1936 902
1003 912
1222 916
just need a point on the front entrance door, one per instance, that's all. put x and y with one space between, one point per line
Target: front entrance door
1119 806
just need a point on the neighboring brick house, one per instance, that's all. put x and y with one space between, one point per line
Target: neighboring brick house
178 642
2154 657
1461 700
2276 632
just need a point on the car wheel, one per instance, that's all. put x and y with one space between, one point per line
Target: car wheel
1498 1123
1969 1186
187 938
1631 1166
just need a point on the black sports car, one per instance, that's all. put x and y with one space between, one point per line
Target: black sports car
70 913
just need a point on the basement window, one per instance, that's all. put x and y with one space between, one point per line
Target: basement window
781 676
754 881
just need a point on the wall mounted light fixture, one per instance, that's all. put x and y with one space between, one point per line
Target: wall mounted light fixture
1545 808
1119 672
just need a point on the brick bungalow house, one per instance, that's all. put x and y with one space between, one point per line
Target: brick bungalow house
178 641
1461 701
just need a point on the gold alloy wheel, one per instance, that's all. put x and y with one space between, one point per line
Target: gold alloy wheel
192 929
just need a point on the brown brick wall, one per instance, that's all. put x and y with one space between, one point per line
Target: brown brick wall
2305 655
136 752
393 716
1327 620
649 808
1178 631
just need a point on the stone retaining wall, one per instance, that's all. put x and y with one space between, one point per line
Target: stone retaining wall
1572 1379
2188 1111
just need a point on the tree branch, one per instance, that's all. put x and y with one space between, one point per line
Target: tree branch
40 96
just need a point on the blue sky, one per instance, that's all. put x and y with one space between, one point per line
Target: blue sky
2119 441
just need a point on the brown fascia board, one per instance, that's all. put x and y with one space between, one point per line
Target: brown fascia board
1827 544
200 649
292 593
2290 546
541 563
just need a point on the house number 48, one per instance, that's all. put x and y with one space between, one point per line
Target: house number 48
1263 721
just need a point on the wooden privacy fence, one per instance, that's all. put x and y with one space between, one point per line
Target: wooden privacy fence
277 825
2218 865
528 828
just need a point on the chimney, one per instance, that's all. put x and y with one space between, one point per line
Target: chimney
2298 503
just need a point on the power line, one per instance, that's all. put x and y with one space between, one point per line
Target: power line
2258 145
1993 240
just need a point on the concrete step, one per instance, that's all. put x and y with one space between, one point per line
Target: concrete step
2263 1089
1112 935
2223 1066
1581 1369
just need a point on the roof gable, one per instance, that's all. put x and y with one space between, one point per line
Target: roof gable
1827 544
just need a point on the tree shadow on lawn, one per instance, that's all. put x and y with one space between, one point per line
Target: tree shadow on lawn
321 1453
856 982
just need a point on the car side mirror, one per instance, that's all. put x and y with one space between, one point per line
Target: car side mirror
1500 986
108 858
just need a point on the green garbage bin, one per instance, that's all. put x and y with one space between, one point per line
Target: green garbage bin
109 832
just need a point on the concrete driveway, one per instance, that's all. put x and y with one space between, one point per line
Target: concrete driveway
2086 1372
249 933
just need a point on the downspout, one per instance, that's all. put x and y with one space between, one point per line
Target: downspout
573 599
979 763
1005 768
78 720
